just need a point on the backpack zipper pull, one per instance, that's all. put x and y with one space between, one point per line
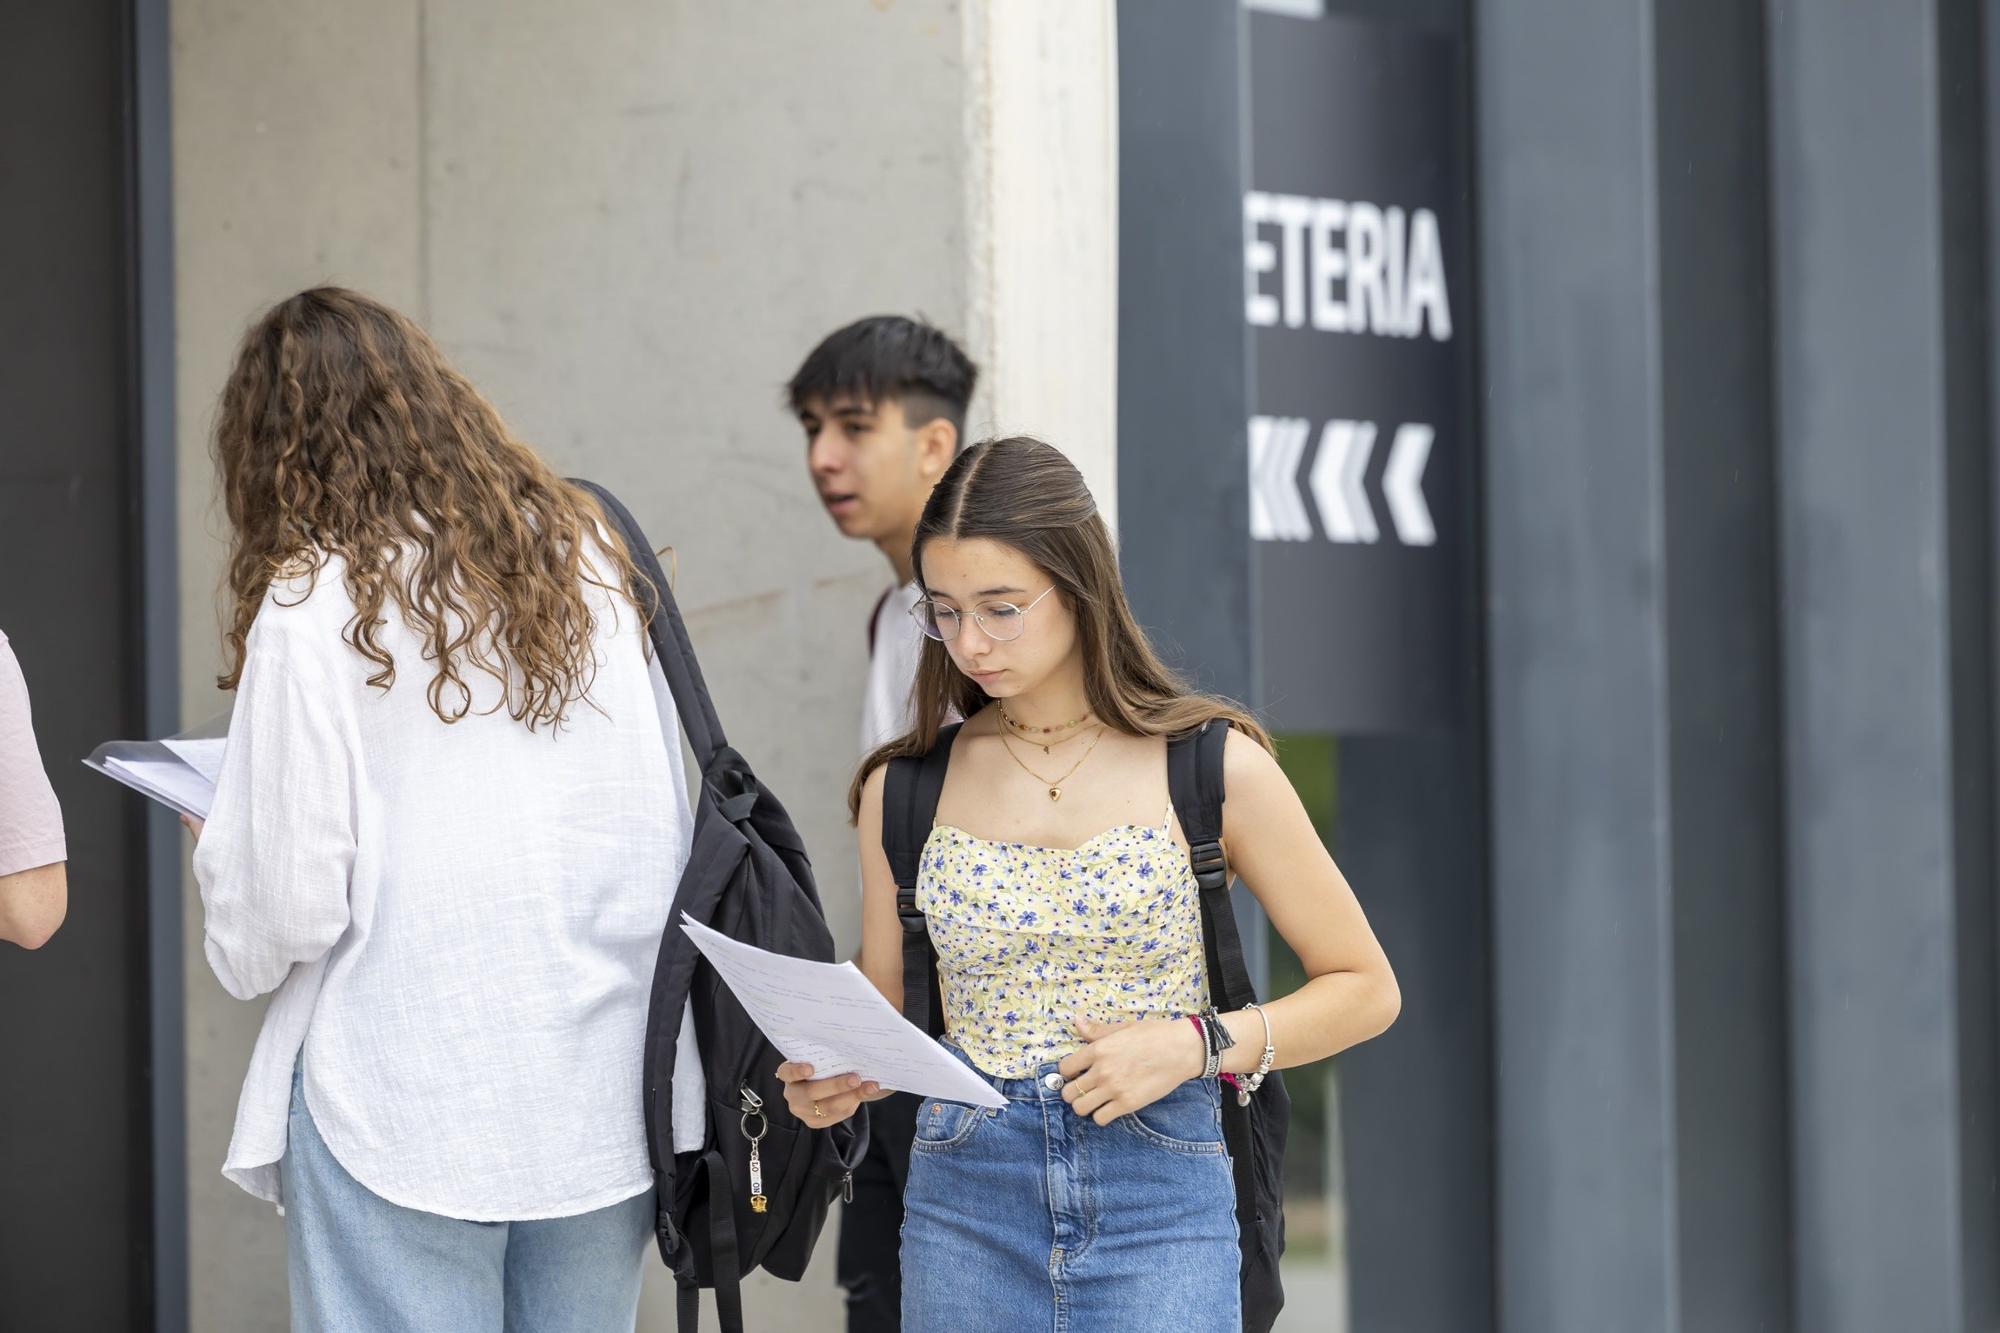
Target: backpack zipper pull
847 1187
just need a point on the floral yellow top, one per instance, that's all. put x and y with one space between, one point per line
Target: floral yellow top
1029 938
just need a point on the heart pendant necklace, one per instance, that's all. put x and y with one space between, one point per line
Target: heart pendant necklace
1055 786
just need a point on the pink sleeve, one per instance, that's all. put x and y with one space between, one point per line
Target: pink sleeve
31 831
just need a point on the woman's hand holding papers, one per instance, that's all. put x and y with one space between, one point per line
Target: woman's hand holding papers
821 1103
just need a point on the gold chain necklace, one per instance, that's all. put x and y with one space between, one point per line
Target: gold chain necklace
1055 787
1039 735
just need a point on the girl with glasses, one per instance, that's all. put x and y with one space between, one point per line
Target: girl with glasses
1060 900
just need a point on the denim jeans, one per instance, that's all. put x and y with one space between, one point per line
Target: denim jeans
358 1261
1034 1217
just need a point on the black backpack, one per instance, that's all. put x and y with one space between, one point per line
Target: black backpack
748 877
1254 1134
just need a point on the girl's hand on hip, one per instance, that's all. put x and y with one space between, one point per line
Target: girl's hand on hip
1124 1067
825 1102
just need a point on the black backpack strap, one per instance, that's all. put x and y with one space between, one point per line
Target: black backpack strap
723 1253
910 791
1194 782
670 637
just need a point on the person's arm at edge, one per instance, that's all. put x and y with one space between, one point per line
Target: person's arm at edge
34 876
33 903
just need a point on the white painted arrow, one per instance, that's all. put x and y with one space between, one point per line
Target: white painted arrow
1403 484
1277 514
1263 524
1338 473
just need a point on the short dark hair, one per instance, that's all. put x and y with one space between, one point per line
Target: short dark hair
890 356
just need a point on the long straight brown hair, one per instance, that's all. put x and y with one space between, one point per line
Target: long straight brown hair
1026 495
343 431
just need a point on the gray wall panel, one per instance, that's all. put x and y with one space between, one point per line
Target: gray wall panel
1183 384
1634 666
1578 668
1879 308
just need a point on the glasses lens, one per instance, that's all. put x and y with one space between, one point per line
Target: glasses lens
939 622
1001 620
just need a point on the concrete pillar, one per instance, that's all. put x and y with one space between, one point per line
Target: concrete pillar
1883 358
1633 666
1041 140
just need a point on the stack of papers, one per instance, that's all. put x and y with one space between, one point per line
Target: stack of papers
830 1016
179 773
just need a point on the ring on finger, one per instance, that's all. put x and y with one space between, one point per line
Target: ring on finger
817 1113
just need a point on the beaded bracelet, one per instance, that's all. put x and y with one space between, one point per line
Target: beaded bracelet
1251 1082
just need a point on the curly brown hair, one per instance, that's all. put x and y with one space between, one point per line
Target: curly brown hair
343 431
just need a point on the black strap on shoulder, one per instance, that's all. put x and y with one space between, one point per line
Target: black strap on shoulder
1194 782
699 721
910 791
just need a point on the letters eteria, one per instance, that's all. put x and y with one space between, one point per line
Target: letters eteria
1343 266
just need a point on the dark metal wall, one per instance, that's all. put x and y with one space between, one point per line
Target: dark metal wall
1183 384
1740 577
1416 1110
1882 307
1737 637
92 1148
1412 834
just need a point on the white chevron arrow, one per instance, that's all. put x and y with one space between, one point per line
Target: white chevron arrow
1403 484
1337 481
1277 513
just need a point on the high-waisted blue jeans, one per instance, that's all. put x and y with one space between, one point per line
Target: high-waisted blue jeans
1034 1217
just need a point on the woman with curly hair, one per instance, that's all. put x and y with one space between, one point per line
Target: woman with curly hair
449 823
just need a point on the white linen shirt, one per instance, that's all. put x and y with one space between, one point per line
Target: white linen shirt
896 645
460 921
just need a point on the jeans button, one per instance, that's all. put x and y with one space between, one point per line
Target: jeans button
1053 1082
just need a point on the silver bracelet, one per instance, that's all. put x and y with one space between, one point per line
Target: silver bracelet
1251 1082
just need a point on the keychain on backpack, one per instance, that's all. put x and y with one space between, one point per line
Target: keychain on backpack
753 1105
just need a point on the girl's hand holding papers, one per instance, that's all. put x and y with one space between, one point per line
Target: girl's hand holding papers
821 1103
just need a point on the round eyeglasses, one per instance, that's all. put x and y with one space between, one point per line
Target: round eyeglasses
1000 621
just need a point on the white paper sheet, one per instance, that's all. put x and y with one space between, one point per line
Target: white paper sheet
830 1016
203 756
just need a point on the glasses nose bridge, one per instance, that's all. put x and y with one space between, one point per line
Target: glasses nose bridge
973 620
